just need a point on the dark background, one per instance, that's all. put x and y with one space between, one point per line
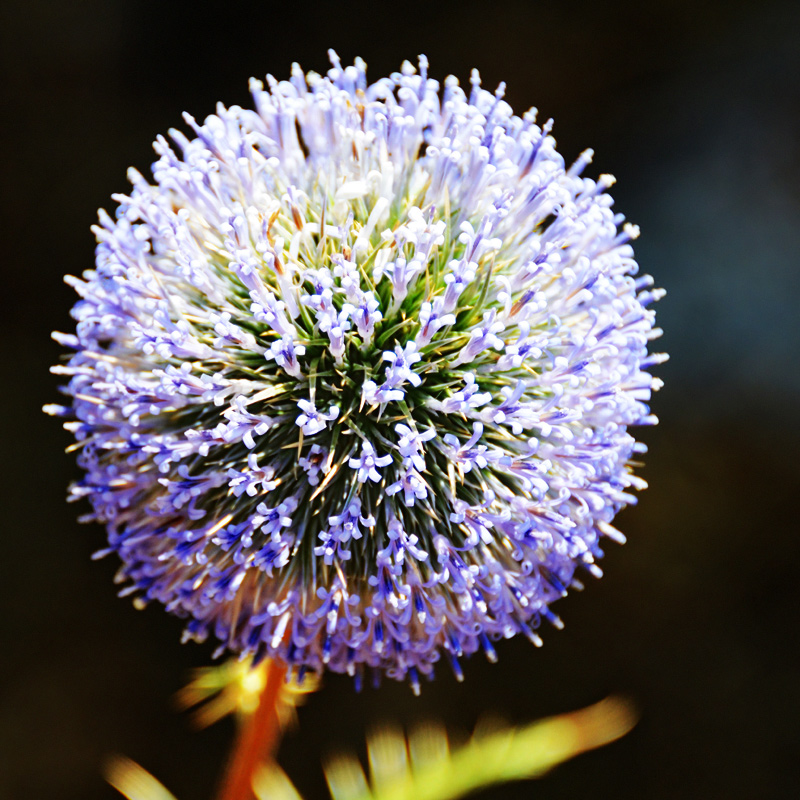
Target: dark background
695 107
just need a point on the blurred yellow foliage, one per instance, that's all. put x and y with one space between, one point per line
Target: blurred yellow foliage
420 766
236 686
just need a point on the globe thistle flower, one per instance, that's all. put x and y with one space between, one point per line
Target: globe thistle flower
353 376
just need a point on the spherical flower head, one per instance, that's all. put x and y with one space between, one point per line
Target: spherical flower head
353 376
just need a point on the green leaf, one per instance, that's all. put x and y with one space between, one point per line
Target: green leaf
421 767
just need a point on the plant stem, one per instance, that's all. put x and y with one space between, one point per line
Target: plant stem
256 740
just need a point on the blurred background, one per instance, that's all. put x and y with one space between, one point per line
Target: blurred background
695 107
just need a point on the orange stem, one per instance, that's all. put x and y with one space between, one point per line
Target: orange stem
256 740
